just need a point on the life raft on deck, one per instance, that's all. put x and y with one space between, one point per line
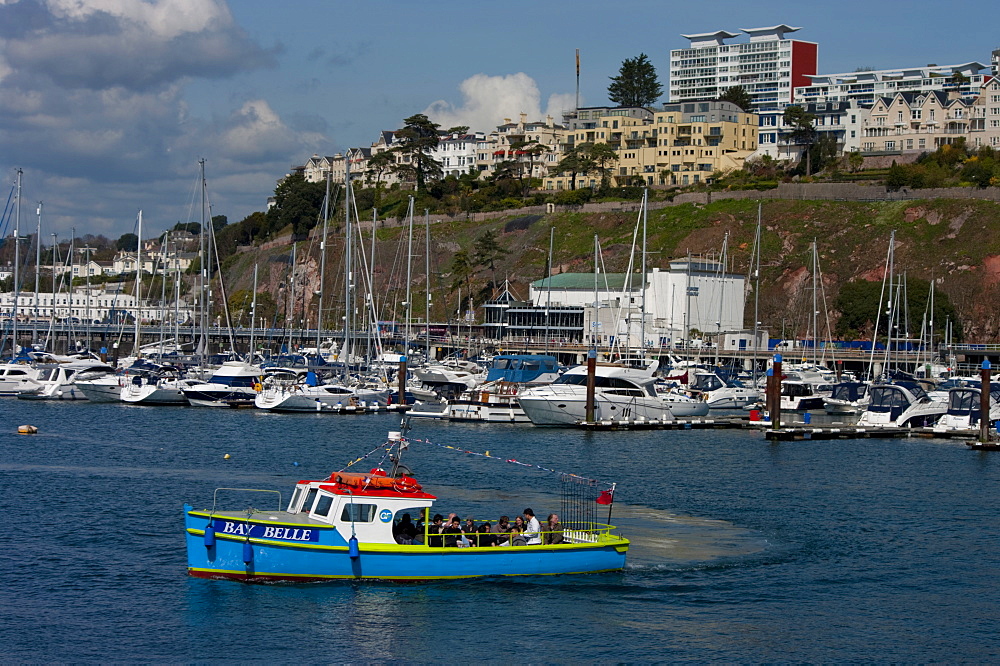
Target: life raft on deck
377 478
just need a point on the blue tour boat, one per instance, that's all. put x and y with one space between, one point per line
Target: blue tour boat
346 527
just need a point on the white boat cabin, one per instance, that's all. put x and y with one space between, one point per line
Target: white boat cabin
367 505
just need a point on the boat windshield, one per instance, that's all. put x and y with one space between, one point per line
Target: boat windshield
707 382
608 383
886 397
962 401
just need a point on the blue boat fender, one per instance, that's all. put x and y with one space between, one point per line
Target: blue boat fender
247 553
209 536
352 548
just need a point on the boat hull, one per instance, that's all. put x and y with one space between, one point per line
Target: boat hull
567 410
323 555
101 391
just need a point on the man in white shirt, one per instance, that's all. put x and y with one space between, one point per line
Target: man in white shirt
531 532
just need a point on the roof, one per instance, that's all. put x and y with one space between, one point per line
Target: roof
585 281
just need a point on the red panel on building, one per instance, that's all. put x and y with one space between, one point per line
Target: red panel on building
805 55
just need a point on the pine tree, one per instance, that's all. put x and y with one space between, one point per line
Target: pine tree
636 83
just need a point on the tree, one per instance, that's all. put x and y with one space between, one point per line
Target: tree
855 160
803 131
127 243
241 306
532 149
488 251
219 221
463 269
296 203
379 165
417 140
739 96
458 129
858 303
574 162
601 156
636 83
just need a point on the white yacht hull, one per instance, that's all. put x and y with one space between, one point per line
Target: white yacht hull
314 399
154 394
555 409
106 389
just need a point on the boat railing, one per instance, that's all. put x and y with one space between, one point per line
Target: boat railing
215 495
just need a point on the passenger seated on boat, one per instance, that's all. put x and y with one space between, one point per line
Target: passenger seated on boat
516 539
452 532
404 531
553 531
434 539
531 534
485 536
502 529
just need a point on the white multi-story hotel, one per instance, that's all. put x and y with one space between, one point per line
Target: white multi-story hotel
769 66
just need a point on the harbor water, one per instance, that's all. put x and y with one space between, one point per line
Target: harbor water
742 549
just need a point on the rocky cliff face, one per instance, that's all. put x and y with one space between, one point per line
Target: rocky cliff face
955 243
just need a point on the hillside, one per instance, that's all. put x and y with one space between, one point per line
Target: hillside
953 242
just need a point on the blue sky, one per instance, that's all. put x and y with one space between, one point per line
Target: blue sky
108 105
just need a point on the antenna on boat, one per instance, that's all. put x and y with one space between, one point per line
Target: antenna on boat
399 439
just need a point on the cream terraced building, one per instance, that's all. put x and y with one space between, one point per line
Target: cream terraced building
682 144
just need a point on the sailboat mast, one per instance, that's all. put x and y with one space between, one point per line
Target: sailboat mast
322 266
548 297
409 275
138 287
645 217
38 262
597 301
163 289
815 312
348 199
253 316
755 261
427 272
17 264
203 260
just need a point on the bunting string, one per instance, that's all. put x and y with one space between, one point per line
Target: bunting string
566 476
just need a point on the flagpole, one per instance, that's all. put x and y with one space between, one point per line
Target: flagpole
612 503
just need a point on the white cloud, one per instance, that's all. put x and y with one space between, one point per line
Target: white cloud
488 100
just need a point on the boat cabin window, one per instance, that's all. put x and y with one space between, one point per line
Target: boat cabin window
963 401
358 513
307 505
796 390
888 396
296 496
323 505
501 363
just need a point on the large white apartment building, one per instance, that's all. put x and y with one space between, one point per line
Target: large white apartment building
769 66
864 87
99 305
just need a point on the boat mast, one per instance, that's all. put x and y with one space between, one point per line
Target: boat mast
755 262
163 291
348 200
427 271
815 312
409 273
253 316
322 268
722 291
548 297
17 264
205 266
597 301
38 261
138 287
642 325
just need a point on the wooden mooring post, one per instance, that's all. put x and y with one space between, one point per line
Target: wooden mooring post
984 402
